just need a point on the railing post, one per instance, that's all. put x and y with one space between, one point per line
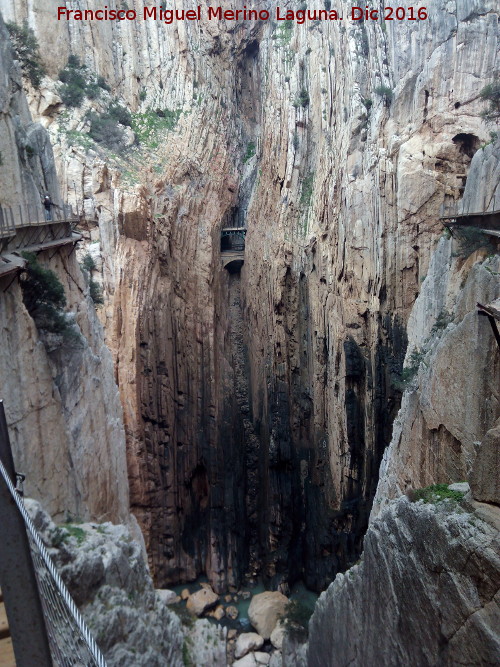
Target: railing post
17 574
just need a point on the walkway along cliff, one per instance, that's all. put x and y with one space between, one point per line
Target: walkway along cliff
259 397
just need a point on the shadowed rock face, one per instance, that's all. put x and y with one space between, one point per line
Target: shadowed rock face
257 405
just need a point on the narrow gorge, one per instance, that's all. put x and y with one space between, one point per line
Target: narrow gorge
273 347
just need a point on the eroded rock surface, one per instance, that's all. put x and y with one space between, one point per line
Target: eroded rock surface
246 642
271 396
451 402
427 588
426 592
268 394
61 400
108 577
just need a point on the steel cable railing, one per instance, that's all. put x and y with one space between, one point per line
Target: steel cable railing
71 643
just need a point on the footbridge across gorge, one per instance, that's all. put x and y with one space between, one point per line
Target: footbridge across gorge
232 248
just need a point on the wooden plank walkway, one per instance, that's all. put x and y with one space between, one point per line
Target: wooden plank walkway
53 244
10 264
7 658
485 219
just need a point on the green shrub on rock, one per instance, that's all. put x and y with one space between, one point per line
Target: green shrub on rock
78 82
96 292
43 296
71 95
491 94
410 371
27 51
88 263
120 114
105 130
385 92
302 99
435 493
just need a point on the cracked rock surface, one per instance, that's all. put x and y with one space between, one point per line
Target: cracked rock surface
432 598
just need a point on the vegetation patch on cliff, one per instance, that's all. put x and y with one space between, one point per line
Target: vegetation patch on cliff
283 33
27 51
107 128
78 82
410 371
307 189
43 296
385 92
302 99
491 94
150 125
435 493
250 152
95 290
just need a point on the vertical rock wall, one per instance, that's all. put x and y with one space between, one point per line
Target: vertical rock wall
453 400
62 404
341 201
426 589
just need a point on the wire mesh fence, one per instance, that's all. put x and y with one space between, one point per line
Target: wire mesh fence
71 643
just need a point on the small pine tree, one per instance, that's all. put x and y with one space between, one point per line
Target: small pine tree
302 99
88 263
385 92
43 296
96 292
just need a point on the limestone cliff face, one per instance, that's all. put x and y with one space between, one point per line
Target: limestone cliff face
107 576
426 590
431 600
453 400
257 409
61 400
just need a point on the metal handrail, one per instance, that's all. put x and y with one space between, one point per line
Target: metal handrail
59 594
31 214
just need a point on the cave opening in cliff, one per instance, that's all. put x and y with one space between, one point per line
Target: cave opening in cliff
468 144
